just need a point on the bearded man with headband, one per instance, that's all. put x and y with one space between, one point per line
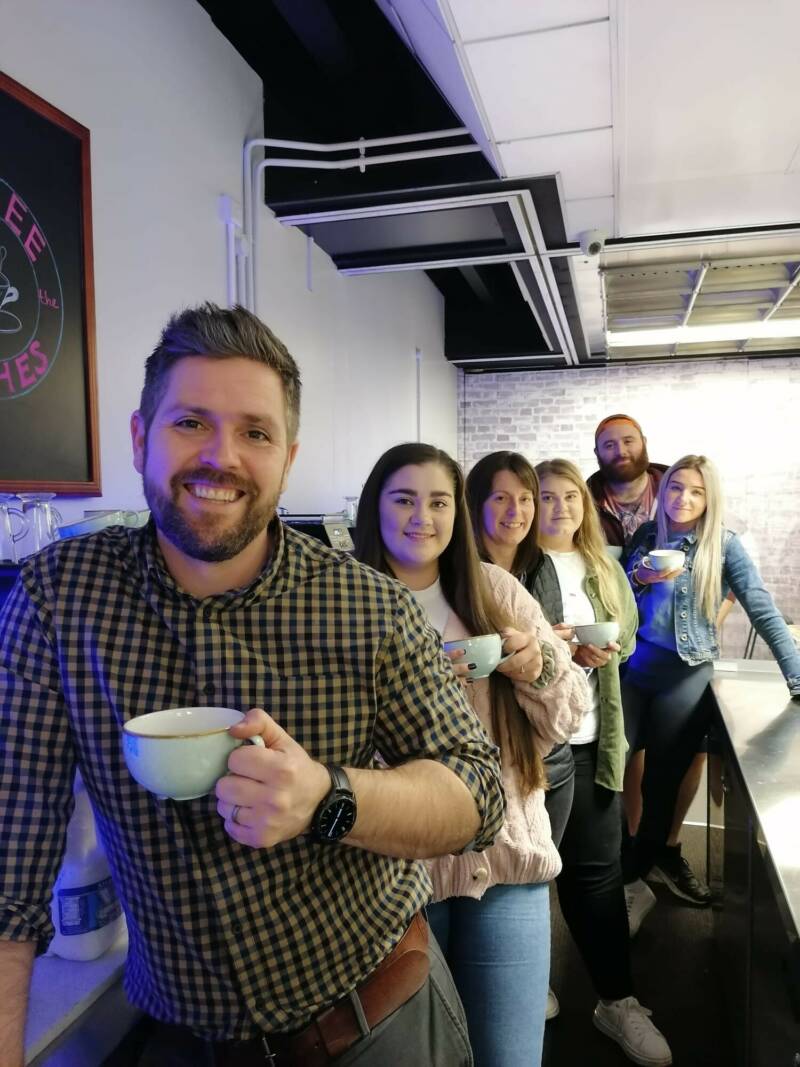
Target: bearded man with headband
626 485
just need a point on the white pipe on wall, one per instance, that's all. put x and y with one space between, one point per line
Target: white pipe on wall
251 178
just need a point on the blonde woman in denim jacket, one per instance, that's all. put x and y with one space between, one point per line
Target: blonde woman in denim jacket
677 643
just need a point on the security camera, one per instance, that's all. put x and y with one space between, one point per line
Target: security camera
593 242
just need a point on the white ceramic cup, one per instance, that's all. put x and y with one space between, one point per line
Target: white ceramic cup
597 633
181 753
666 559
483 653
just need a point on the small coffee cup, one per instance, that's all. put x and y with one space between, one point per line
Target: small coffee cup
181 753
597 633
483 654
666 559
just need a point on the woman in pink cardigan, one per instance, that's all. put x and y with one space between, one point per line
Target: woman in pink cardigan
491 915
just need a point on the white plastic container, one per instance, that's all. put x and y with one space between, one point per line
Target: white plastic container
85 909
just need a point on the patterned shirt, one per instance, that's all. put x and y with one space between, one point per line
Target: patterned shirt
634 513
224 938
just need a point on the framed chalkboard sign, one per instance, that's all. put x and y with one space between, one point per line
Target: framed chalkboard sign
48 395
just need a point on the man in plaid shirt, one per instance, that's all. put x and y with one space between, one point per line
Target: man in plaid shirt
257 934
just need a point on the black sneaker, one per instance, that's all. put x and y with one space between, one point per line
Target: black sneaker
674 871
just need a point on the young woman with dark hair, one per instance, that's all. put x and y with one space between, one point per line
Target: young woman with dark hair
501 494
492 912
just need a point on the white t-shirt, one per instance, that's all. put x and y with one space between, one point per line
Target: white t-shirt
432 601
571 570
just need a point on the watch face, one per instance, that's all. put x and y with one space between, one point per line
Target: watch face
337 820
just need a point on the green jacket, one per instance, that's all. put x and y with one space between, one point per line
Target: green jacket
612 745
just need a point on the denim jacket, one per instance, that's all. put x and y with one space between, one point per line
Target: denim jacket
695 636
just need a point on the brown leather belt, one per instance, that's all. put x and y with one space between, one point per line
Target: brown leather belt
394 981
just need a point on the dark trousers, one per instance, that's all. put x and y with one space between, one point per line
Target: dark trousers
560 770
429 1030
667 715
590 888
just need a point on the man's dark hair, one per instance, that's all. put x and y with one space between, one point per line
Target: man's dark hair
219 333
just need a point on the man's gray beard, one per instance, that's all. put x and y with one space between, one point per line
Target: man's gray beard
630 473
196 544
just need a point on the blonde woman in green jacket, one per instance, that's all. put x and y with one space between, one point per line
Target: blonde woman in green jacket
590 887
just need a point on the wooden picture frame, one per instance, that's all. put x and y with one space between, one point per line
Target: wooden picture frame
48 383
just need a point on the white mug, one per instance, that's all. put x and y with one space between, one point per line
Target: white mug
181 753
483 653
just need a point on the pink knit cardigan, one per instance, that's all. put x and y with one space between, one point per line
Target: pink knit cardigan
523 851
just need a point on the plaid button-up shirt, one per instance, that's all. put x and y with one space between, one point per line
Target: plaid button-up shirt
223 938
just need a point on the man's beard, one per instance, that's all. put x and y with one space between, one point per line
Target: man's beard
628 471
200 538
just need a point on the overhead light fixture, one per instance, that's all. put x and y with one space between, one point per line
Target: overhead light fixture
695 335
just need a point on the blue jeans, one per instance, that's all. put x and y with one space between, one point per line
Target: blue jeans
498 951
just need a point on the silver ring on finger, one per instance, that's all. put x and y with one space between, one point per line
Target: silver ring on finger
236 809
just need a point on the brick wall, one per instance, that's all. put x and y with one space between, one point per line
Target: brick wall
743 414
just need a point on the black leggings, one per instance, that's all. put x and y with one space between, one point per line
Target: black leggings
560 769
590 888
667 716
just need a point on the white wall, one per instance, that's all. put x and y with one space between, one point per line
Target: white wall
355 339
169 104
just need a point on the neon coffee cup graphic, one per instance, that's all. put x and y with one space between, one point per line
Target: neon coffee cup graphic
32 315
9 294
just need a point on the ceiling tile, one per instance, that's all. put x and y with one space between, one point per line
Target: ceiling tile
727 107
545 83
593 213
477 18
584 161
708 203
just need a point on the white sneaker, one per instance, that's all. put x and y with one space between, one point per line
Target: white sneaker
628 1023
640 901
553 1007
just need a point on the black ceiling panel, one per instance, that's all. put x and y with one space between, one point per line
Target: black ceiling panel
335 70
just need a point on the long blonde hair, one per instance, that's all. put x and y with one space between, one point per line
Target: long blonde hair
588 538
707 572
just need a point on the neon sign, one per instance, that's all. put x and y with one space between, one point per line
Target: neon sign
31 299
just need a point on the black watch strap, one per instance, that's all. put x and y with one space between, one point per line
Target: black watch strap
336 813
340 783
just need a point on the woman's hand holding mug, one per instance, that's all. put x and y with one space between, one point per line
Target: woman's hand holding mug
458 657
524 661
660 565
592 656
645 575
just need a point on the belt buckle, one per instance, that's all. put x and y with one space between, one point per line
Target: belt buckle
270 1057
358 1011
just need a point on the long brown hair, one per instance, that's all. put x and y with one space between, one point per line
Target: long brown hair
588 538
465 588
479 488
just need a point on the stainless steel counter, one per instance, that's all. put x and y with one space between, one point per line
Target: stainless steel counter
763 725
